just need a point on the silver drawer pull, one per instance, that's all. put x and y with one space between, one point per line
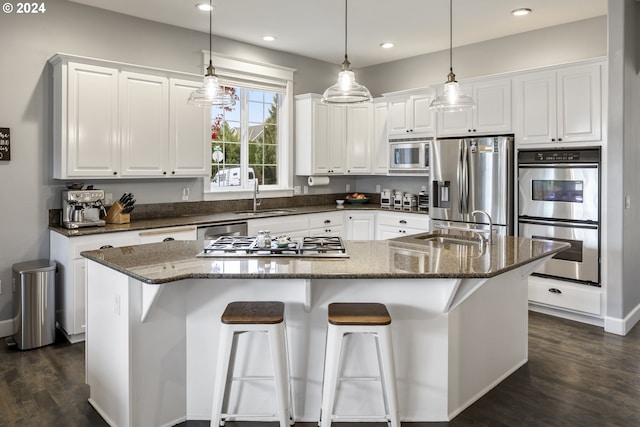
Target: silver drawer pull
169 239
555 291
106 247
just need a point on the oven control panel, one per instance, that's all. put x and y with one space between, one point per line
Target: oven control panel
559 156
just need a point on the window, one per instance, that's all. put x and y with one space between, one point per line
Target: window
251 140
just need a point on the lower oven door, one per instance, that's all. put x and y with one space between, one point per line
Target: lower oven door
581 262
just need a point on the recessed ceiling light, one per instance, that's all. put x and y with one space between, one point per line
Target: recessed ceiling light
386 45
204 7
268 38
521 12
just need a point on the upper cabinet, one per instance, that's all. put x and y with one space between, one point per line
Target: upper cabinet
332 139
492 114
111 123
380 139
410 114
563 105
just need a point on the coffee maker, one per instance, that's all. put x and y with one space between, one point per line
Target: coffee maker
83 208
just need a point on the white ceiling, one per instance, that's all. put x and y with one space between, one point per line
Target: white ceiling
315 28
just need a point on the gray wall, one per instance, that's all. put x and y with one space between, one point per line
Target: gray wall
28 41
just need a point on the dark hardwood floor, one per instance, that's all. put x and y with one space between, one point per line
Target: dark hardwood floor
577 375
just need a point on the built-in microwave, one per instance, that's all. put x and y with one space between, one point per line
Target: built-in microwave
409 156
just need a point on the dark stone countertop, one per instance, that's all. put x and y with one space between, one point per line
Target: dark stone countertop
203 219
402 258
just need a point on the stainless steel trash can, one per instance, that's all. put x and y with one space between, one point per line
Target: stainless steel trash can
34 303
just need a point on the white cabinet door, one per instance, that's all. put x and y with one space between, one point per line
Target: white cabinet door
189 129
380 139
327 224
144 121
536 107
492 113
86 121
168 234
579 104
359 126
411 114
336 143
396 224
564 105
294 226
360 225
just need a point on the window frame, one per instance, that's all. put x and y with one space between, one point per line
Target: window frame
247 73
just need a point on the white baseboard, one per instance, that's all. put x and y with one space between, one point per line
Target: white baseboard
565 314
6 328
622 327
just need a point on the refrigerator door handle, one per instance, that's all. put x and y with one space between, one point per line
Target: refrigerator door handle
465 178
460 176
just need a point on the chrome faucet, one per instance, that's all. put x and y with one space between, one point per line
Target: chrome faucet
256 191
479 211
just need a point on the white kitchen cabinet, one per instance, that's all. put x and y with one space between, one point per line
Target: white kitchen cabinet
327 224
332 139
560 105
380 139
492 114
144 124
85 120
360 225
70 289
115 120
294 226
410 114
566 296
397 224
168 234
189 126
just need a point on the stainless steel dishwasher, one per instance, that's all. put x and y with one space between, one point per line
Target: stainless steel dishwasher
211 232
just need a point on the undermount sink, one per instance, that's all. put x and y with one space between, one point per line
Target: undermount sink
265 212
456 240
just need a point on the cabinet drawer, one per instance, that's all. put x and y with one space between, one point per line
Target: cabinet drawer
407 220
567 295
329 219
90 243
166 234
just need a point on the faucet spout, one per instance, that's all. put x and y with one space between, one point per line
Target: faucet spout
256 191
480 211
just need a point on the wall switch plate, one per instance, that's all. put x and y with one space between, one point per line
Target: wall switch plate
348 188
377 188
296 189
0 286
305 189
185 193
627 202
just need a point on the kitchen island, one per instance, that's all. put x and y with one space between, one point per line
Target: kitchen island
459 310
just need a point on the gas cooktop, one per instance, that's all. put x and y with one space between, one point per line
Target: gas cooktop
248 246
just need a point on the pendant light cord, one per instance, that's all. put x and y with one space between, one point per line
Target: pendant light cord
210 29
451 36
345 28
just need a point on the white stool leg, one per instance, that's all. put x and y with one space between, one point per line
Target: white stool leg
280 371
222 371
333 352
388 374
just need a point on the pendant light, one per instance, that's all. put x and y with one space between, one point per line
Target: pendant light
346 90
210 94
452 99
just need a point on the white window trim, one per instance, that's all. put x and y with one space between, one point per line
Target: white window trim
241 69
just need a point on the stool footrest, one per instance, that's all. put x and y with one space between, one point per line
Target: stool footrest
368 418
359 379
253 378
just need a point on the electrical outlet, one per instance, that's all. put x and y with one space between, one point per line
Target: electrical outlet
348 188
296 189
185 193
0 286
108 198
424 188
627 202
377 188
116 304
305 189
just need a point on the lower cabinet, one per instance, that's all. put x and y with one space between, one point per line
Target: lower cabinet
360 225
398 224
70 289
327 224
582 299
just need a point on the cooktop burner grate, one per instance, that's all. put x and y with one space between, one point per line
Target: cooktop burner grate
245 246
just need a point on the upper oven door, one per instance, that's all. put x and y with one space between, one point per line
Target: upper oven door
568 192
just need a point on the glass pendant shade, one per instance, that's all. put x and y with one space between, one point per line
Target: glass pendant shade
452 99
346 90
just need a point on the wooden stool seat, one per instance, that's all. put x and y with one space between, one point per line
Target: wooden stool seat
253 313
346 313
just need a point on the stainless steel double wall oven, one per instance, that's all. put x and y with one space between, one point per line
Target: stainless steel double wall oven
559 199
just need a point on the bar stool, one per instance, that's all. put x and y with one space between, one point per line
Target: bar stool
359 318
252 316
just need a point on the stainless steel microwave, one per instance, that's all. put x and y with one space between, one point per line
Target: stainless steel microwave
409 156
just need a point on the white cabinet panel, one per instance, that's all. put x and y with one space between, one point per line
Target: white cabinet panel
409 113
359 121
380 139
144 132
572 296
360 225
397 224
167 234
327 224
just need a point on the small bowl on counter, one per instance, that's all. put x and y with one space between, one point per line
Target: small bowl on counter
340 203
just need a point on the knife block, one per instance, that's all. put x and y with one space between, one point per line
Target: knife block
116 216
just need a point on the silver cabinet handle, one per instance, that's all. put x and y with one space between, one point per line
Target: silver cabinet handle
555 291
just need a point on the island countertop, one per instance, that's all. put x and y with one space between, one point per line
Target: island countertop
405 257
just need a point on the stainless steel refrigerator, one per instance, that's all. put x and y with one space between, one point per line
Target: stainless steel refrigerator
469 174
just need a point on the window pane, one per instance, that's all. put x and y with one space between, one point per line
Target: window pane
260 134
